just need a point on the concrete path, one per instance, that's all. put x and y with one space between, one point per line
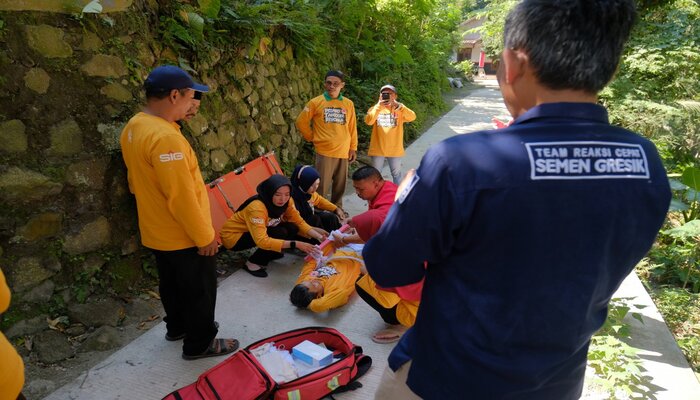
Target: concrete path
250 309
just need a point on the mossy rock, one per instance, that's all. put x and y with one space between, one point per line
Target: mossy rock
13 138
117 92
92 236
105 65
37 80
41 226
48 41
24 186
66 138
219 160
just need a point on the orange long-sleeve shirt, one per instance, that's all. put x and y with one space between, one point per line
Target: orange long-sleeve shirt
164 175
254 219
387 129
11 364
330 124
321 203
337 288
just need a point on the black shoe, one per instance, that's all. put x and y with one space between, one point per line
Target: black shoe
258 273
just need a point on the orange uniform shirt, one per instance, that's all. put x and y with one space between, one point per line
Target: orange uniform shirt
254 219
330 124
337 288
387 130
321 203
163 173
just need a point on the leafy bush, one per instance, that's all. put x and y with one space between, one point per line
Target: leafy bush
405 43
617 367
681 312
657 88
466 67
677 258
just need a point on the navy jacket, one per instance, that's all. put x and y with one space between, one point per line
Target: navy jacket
528 231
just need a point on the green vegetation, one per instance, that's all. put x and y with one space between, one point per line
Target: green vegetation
405 43
618 369
656 92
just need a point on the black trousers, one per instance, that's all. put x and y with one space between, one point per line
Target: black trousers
325 220
188 293
284 231
387 314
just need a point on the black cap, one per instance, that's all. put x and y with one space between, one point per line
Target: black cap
169 77
337 74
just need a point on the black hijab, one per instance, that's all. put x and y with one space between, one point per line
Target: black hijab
266 189
303 177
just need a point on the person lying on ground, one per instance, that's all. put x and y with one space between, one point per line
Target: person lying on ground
314 208
328 282
325 284
270 222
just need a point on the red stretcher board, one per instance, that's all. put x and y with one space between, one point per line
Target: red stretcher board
228 192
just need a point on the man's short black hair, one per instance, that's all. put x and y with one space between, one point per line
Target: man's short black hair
366 172
158 93
571 44
300 296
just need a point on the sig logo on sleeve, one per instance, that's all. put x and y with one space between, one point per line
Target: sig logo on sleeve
587 160
171 156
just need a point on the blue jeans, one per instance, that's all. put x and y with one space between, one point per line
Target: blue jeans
394 166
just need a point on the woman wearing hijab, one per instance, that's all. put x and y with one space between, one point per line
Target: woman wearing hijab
269 221
316 210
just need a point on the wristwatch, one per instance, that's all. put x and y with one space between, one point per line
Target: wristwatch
293 244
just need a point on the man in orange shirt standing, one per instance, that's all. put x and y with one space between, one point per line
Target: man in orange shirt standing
328 121
387 118
173 211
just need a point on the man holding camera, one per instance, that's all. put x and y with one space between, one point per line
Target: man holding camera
387 118
328 121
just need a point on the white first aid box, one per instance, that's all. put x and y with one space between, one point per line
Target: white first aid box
312 354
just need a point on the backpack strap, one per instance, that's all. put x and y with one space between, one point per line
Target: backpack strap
362 365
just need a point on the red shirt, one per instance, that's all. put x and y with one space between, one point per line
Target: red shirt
384 198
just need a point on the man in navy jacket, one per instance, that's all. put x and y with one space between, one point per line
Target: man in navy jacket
527 230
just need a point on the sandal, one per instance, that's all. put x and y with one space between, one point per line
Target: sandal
182 336
216 348
389 335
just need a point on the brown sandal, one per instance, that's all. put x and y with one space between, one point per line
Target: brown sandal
216 348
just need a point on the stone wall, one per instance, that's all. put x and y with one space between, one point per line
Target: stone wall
70 82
